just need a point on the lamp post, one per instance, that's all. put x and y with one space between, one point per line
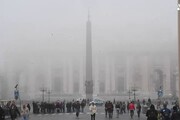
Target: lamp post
129 94
179 42
134 90
43 90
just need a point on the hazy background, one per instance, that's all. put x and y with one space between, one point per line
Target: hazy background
59 25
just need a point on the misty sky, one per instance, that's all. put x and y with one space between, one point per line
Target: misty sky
60 25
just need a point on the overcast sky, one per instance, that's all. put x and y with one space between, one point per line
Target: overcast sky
59 25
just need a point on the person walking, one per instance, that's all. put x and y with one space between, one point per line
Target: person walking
165 112
106 104
152 114
25 113
93 110
128 106
123 107
117 106
14 112
29 107
175 114
131 109
110 109
77 107
2 113
138 108
83 104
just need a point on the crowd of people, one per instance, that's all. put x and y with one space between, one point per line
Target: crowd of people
160 112
164 114
77 106
58 107
10 109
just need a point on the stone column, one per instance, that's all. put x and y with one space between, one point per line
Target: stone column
65 76
82 83
129 72
70 77
112 79
145 72
166 75
107 78
96 76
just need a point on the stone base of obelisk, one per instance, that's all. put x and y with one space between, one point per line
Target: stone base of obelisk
89 97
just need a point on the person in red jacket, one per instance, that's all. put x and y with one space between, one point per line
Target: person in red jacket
131 109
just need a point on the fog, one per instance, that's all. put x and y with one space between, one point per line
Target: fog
35 34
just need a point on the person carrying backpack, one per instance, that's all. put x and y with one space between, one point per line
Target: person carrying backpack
165 113
152 114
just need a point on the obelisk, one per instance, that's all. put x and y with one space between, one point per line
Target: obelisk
89 78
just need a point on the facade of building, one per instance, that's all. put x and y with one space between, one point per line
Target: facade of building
113 74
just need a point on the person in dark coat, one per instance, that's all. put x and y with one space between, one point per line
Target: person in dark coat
165 112
152 114
110 109
138 108
83 104
2 114
29 107
175 114
118 107
14 112
77 107
106 109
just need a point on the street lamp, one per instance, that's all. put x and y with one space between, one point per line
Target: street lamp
43 90
129 94
134 90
